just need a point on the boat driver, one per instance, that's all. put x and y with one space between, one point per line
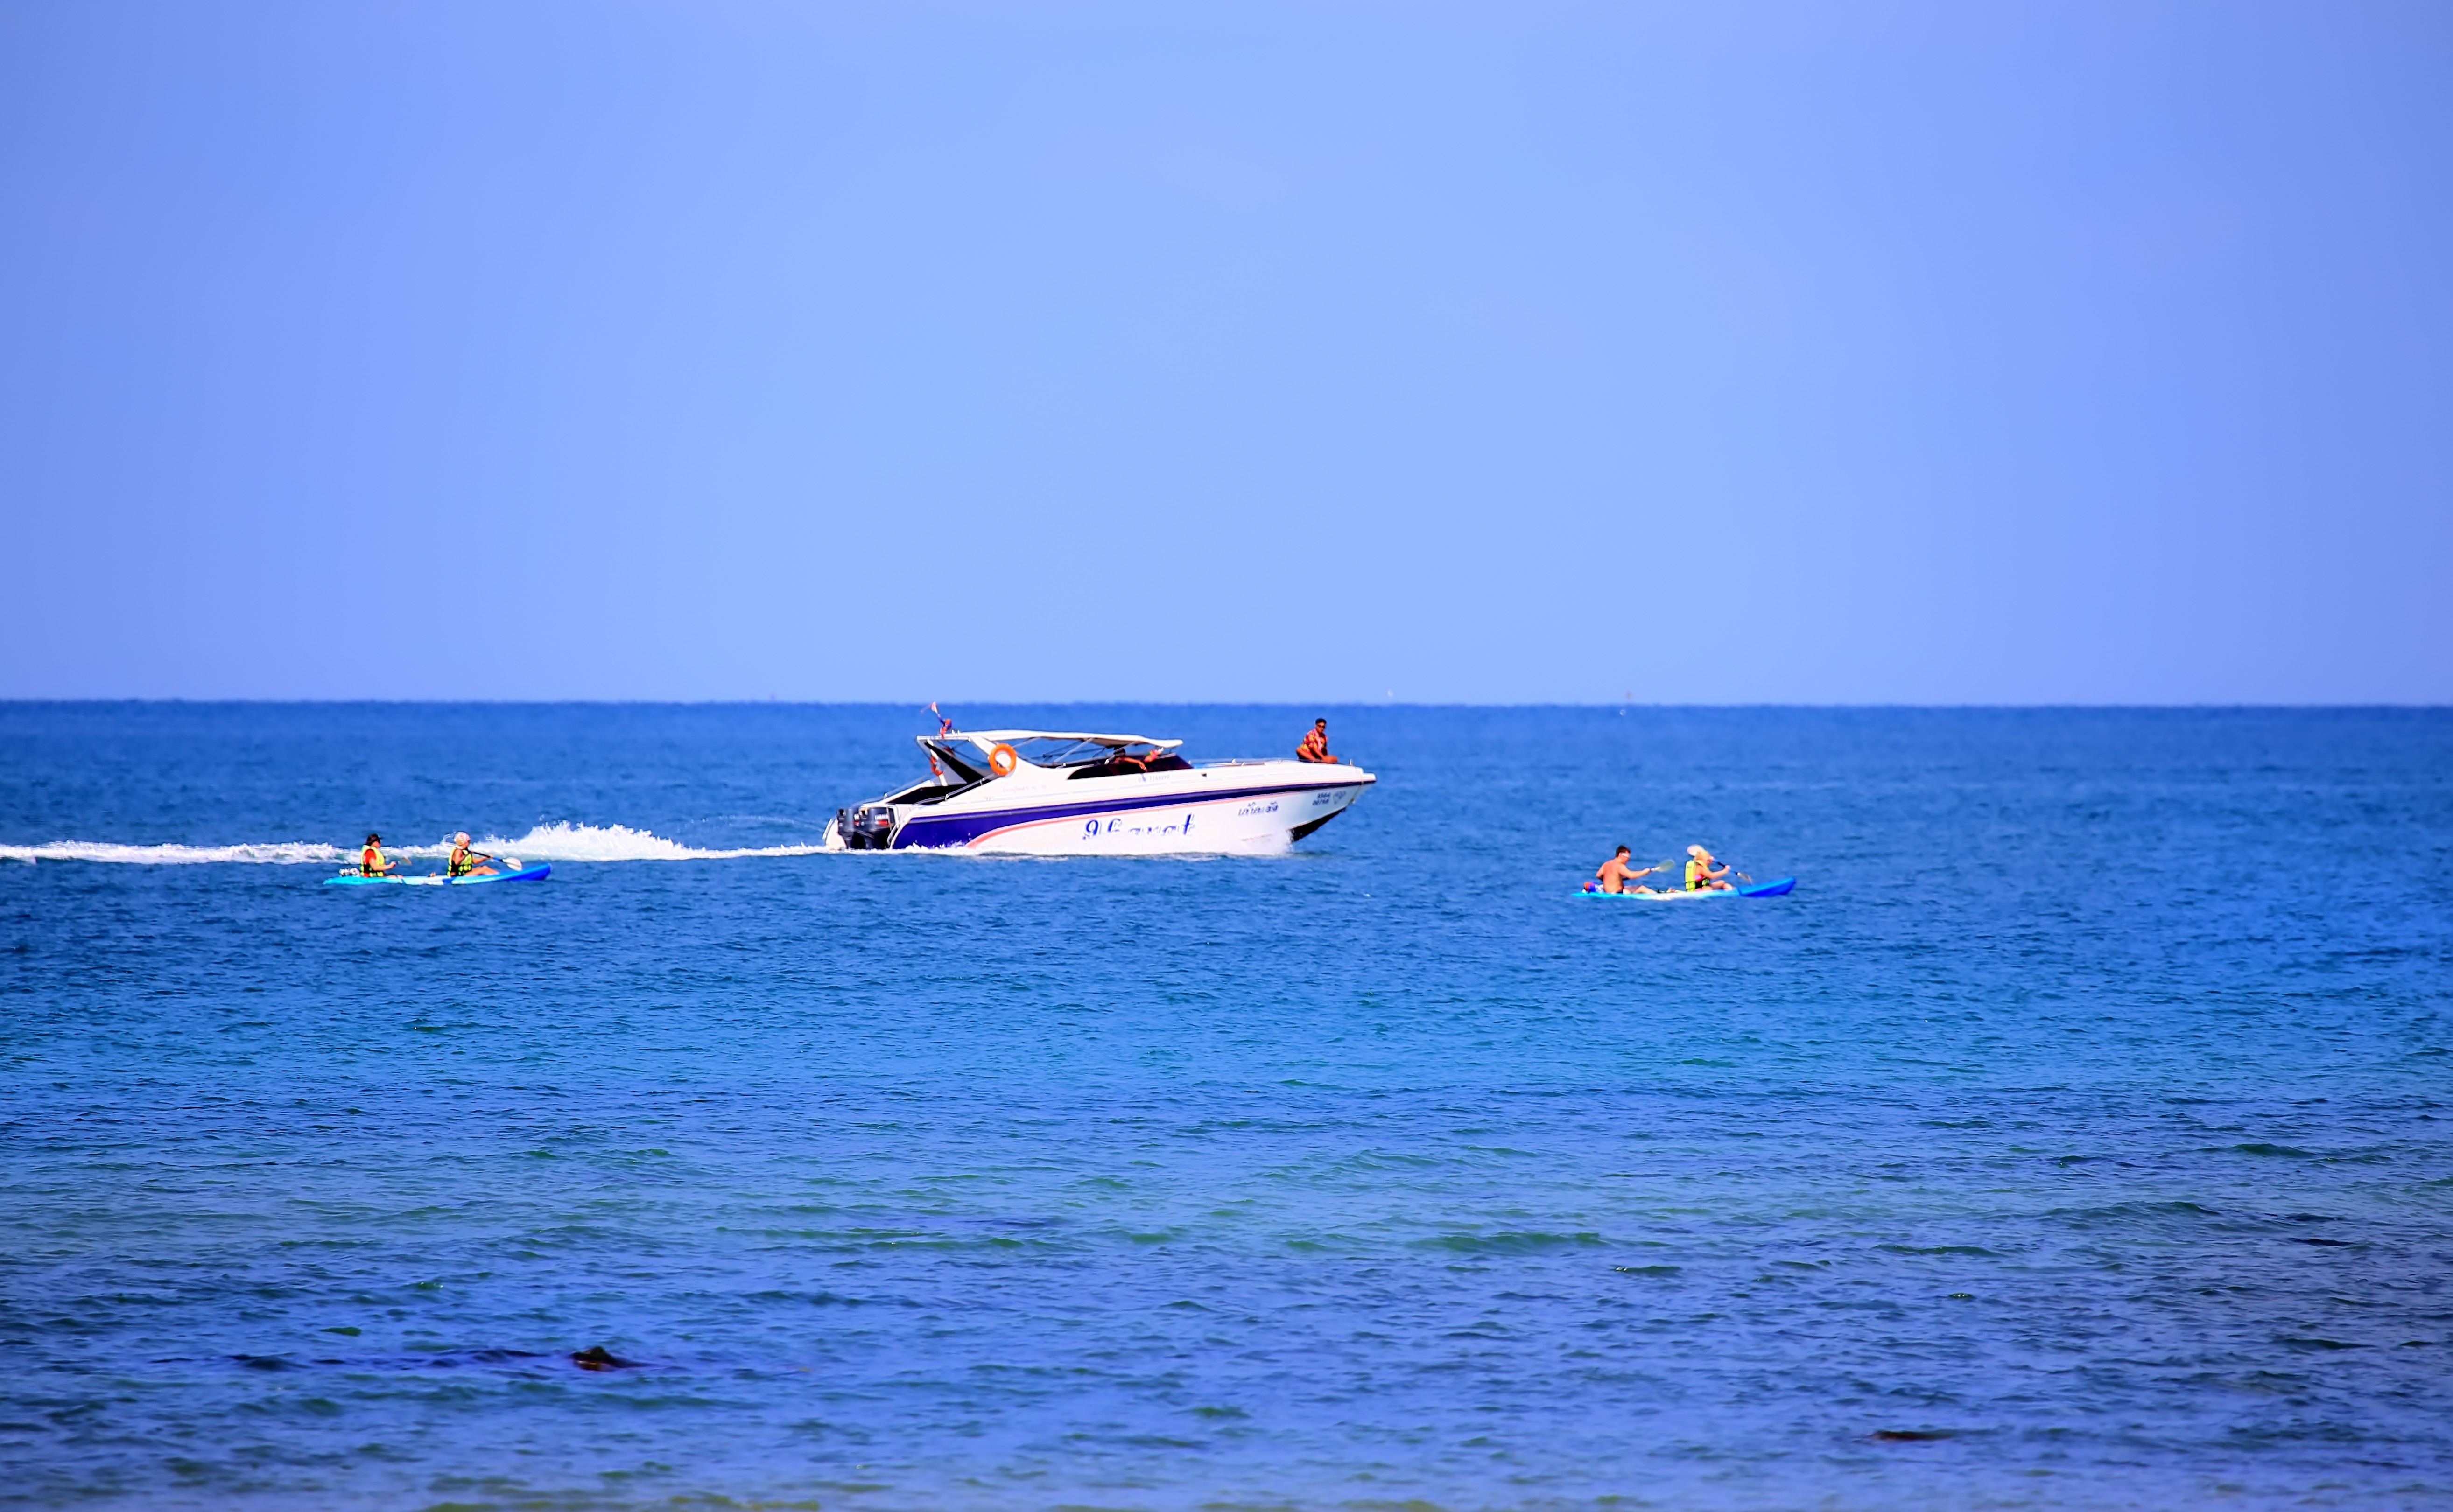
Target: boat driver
372 861
1315 746
1615 875
1701 875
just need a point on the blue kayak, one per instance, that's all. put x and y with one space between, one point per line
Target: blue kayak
1777 887
436 878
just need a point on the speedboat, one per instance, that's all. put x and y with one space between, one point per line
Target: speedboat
1038 793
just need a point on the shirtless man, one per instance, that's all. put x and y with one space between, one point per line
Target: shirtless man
1615 873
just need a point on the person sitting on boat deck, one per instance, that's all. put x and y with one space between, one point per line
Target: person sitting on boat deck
1315 746
464 861
1700 874
1615 874
372 861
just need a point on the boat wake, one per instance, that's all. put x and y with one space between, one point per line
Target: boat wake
556 841
614 843
278 853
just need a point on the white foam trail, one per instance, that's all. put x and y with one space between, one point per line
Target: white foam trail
558 842
277 852
611 842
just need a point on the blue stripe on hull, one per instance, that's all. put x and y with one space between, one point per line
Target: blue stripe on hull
944 831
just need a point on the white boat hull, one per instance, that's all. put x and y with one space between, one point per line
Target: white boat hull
1193 826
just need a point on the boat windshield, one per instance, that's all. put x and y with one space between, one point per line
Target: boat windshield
1061 751
964 762
1045 747
961 760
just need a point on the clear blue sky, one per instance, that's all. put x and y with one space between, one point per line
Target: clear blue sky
1809 353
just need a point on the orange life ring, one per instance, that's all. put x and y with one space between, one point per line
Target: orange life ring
1002 760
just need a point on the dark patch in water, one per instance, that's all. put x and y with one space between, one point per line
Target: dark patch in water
596 1357
1507 1244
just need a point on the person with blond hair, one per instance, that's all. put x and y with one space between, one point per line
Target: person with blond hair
464 861
1703 874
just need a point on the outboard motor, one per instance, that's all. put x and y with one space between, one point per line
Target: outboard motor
868 828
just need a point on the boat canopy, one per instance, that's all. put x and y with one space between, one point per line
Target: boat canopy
1047 747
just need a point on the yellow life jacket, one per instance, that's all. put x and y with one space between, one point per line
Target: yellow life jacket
371 861
1698 871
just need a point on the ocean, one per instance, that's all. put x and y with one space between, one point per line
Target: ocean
2078 1134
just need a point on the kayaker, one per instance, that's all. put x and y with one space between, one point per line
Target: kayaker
1615 874
463 862
1315 746
372 861
1701 875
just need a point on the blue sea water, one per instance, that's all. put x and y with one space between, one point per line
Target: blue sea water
2079 1134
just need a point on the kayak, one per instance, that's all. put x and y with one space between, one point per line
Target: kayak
436 878
1777 887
